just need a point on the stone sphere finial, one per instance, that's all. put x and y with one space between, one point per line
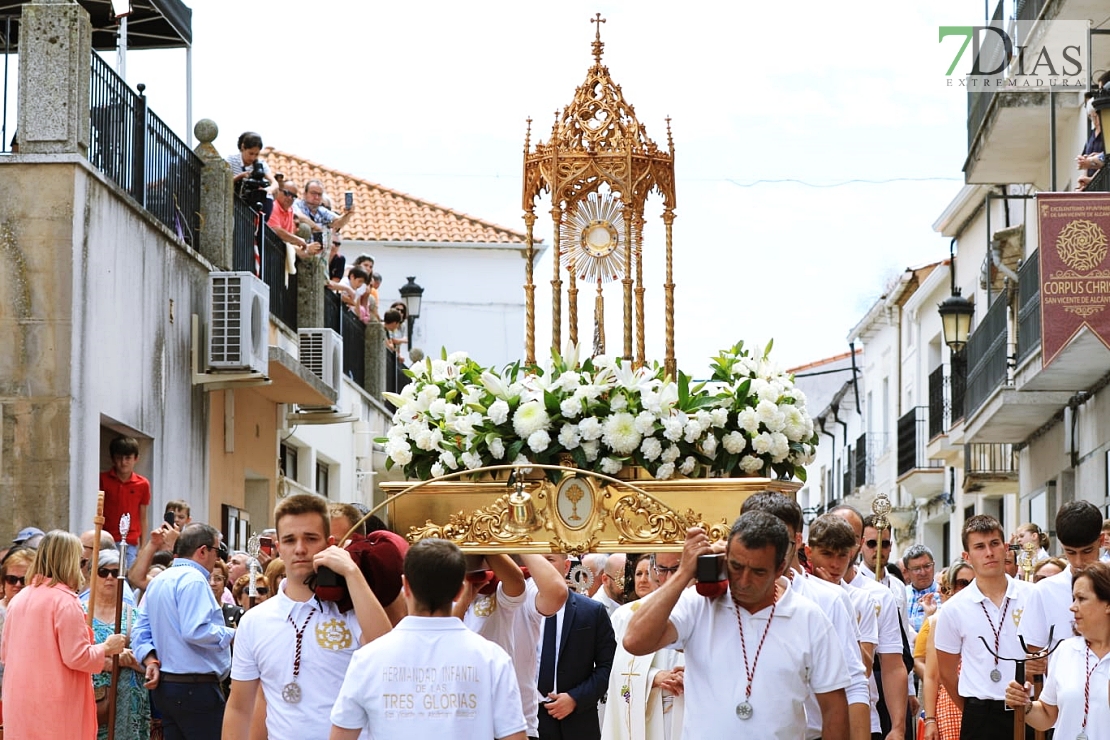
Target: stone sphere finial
206 130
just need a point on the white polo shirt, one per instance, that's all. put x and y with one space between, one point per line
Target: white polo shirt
430 677
889 632
1049 607
960 624
265 643
866 614
837 606
801 654
1063 688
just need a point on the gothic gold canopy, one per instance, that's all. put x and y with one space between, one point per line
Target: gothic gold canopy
599 167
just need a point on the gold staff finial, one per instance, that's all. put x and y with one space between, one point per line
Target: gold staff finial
528 136
670 140
597 20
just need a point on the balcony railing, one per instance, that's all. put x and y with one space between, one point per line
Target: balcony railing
8 31
990 56
136 150
957 386
912 440
848 481
870 446
938 403
1029 307
272 256
986 354
354 348
1100 183
995 459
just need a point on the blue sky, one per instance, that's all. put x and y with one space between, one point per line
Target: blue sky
431 98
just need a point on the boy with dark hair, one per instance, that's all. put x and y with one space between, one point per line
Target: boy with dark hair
430 676
990 608
125 492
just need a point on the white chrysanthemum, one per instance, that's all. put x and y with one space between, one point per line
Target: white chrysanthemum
709 445
750 464
672 428
780 447
497 448
530 417
591 449
570 407
471 460
621 434
539 440
438 469
718 417
651 449
665 471
645 422
687 465
610 466
618 402
748 421
448 459
670 454
569 437
735 442
590 428
498 412
761 444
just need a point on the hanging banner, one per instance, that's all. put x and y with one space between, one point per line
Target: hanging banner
1075 271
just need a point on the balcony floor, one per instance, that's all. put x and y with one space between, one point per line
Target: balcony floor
1013 143
1009 415
1078 366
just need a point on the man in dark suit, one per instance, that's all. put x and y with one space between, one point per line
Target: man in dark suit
575 661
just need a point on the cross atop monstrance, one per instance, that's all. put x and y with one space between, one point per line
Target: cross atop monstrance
600 166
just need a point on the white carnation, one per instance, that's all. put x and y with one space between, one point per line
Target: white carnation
665 471
610 466
399 452
651 449
794 425
498 412
693 430
471 460
428 439
780 447
719 417
672 428
645 422
618 402
762 443
748 420
750 464
457 358
437 408
539 440
591 448
590 428
448 459
768 413
688 465
570 408
670 454
497 448
438 469
709 445
569 437
735 442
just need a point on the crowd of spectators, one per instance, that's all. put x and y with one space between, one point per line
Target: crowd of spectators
310 224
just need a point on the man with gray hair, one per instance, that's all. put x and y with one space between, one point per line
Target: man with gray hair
921 591
594 562
611 593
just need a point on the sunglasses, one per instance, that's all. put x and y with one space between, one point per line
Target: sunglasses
962 583
262 590
288 193
15 580
105 572
666 571
871 544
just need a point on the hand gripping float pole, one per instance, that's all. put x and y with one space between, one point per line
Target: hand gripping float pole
1019 673
113 685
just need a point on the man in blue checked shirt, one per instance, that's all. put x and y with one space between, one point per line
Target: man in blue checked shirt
919 564
181 640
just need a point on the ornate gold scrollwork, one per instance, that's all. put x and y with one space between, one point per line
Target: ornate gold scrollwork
639 518
492 525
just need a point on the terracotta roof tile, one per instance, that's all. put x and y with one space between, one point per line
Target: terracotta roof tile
382 214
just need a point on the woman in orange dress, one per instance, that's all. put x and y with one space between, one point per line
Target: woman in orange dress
47 649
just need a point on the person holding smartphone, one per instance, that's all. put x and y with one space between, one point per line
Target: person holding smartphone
311 206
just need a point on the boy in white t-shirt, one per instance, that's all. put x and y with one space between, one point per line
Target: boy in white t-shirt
430 676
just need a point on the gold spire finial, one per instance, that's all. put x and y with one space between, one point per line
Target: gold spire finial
528 136
598 46
670 141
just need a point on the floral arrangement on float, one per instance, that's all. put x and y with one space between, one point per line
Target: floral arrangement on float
748 419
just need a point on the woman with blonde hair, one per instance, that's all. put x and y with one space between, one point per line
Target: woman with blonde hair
47 649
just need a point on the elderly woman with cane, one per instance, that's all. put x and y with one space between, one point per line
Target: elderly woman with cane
48 652
1074 698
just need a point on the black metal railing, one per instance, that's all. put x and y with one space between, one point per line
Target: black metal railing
9 26
957 386
938 403
354 348
1029 307
283 288
986 354
333 311
990 459
870 446
991 54
136 150
912 440
848 471
1100 183
859 465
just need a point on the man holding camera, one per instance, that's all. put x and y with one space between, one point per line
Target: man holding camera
311 206
786 645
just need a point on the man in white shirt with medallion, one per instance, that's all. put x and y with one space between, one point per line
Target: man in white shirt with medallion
990 608
786 646
296 646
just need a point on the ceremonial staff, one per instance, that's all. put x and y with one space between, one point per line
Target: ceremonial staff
1019 674
94 559
1026 562
254 546
124 528
880 507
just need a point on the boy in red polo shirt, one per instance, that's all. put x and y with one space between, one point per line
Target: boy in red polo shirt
125 492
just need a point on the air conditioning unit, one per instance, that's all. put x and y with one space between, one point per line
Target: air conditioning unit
321 351
238 322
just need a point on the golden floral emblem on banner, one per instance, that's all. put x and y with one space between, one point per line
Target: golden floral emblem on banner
1082 245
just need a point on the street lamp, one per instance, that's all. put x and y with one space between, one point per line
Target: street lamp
956 311
411 295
